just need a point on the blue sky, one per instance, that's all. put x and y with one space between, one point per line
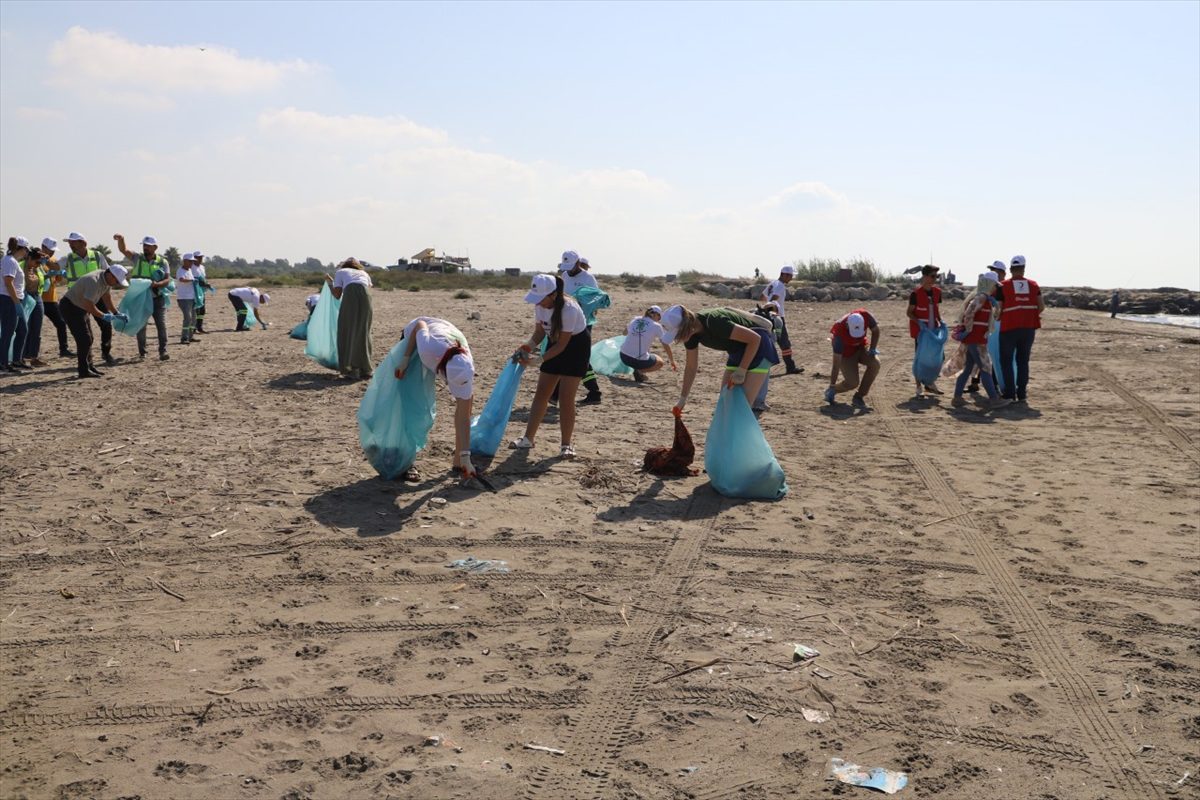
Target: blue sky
650 137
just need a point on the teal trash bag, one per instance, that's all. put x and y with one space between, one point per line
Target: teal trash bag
300 331
591 300
137 304
395 416
606 357
27 306
994 355
927 362
322 330
252 320
199 295
737 458
487 428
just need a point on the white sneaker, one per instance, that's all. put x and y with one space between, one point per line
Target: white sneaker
566 451
521 444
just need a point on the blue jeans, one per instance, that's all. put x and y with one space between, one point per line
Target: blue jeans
33 337
12 330
974 359
1019 342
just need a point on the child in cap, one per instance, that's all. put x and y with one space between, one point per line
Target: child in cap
640 335
748 339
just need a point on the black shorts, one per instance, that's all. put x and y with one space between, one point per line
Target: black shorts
573 361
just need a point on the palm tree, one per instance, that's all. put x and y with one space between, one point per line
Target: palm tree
172 256
105 251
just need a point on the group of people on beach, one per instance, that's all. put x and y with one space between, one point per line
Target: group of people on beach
71 291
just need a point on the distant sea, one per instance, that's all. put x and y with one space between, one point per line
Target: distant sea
1182 320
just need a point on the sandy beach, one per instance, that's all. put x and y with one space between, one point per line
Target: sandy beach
208 593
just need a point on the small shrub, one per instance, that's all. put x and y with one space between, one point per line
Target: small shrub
463 294
414 288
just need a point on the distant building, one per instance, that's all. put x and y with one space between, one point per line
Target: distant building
429 261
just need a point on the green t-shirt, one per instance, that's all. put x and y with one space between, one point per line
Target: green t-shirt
717 330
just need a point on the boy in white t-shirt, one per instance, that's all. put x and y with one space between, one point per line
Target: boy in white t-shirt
774 295
640 334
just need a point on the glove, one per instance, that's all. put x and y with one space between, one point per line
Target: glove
872 352
122 317
522 354
737 377
107 317
468 469
678 409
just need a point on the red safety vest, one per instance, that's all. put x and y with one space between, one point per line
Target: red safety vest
841 331
979 325
923 310
1020 297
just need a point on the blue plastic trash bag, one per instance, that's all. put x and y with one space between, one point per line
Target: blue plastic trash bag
591 300
252 320
199 295
300 331
487 428
137 304
395 416
606 357
27 306
927 362
322 330
994 354
737 458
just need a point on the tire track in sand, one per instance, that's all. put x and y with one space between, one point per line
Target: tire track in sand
1147 411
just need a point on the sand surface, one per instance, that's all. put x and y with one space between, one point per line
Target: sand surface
207 592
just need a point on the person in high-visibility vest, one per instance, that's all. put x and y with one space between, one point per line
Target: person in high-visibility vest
79 262
1000 268
1021 307
150 266
923 311
56 282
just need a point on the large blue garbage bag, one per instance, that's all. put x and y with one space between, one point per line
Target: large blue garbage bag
487 428
322 330
252 320
137 304
395 416
994 354
27 306
591 300
737 458
927 362
300 331
606 357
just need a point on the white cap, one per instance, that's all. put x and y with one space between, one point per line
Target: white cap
569 259
856 325
1018 261
989 276
149 241
787 269
119 273
50 244
655 310
460 375
197 254
21 241
671 320
264 298
583 262
187 257
999 266
542 286
75 237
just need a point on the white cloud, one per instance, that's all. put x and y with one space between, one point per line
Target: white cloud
37 114
351 127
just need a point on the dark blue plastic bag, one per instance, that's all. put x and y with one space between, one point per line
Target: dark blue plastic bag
322 330
395 416
737 458
137 304
487 428
606 357
927 362
300 331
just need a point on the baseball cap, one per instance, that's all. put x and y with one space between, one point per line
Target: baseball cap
75 237
655 310
50 244
583 262
672 318
542 286
856 325
989 276
187 257
928 269
264 298
119 273
999 267
787 269
460 375
197 254
21 241
569 259
1018 261
149 241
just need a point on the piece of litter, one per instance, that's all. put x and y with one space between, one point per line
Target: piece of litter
884 780
803 651
815 715
438 501
218 533
1145 748
176 645
541 748
112 662
753 718
67 593
432 741
479 565
688 770
820 673
1183 780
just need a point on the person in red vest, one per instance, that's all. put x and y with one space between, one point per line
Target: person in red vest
1021 307
923 310
850 349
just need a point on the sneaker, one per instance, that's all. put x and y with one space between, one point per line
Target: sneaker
998 403
959 401
795 371
932 388
829 395
20 365
37 362
109 360
762 408
521 444
91 374
859 402
566 451
163 357
973 386
95 373
141 357
590 400
66 354
639 376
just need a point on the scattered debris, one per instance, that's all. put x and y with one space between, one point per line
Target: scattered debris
821 673
479 565
165 589
813 715
755 718
67 593
688 770
218 533
541 748
883 780
438 501
803 651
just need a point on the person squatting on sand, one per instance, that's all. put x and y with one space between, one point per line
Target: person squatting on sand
850 350
747 339
972 333
640 335
559 320
443 350
924 312
88 297
575 275
245 298
775 294
1021 307
57 280
154 268
81 261
13 329
350 284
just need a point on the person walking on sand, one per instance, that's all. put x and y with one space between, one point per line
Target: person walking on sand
1114 305
245 298
998 267
747 339
924 312
56 280
351 285
91 296
443 350
1021 307
640 335
12 295
775 294
975 322
576 274
850 351
149 265
559 320
185 296
81 261
200 275
36 280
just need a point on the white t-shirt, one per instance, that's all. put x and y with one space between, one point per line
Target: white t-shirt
776 293
344 277
10 267
573 320
640 334
251 297
432 344
312 300
185 287
572 283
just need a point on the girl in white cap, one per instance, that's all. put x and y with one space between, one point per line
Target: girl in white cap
559 320
747 339
12 294
640 334
443 350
